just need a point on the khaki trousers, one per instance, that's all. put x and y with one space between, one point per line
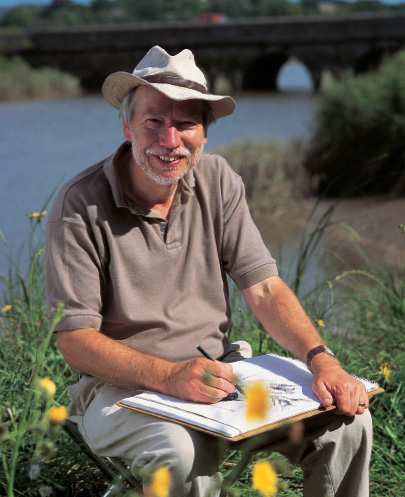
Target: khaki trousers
334 452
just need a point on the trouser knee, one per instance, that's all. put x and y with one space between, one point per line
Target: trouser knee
359 430
188 455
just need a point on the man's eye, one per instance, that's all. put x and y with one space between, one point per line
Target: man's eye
186 124
153 122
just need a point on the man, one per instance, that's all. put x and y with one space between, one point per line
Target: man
138 249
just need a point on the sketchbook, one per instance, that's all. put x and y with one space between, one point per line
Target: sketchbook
289 383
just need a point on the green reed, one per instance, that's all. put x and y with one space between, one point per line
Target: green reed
359 311
20 81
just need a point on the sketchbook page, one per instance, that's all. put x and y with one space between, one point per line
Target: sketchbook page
218 418
289 383
229 417
282 375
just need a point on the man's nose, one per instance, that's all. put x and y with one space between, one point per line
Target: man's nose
170 137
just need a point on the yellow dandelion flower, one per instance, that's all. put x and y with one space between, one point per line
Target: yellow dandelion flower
57 415
160 484
7 308
37 215
385 371
48 385
257 400
264 478
320 323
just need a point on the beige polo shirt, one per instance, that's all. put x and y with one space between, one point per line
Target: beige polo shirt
158 286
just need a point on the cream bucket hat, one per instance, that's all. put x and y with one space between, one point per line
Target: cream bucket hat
175 76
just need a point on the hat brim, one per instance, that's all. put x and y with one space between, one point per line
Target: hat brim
118 84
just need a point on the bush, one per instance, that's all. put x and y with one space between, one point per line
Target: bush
360 134
272 173
18 81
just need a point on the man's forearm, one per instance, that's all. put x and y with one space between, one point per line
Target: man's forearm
199 380
281 314
112 361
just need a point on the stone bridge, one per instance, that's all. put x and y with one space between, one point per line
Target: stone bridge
249 53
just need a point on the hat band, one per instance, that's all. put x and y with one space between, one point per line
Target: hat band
175 80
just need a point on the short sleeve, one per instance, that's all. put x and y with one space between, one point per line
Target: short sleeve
246 258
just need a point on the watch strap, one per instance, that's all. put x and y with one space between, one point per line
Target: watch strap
315 351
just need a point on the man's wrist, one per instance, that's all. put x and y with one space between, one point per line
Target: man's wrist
319 349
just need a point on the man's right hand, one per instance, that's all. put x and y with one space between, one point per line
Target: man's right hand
201 380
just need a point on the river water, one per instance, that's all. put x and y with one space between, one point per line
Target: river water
44 143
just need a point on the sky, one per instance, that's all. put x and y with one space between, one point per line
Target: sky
12 3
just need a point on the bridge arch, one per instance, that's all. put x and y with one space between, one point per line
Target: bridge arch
261 73
294 76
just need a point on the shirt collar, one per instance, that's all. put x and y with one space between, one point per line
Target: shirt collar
111 174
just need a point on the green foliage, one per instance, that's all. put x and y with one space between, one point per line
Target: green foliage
37 457
72 15
364 323
20 17
373 302
26 431
122 11
19 81
367 6
360 136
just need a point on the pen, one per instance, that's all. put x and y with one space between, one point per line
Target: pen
231 396
205 353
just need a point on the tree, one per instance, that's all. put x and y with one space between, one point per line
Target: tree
20 17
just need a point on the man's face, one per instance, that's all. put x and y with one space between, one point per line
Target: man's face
167 136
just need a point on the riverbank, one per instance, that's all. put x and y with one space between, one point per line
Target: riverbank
375 222
370 223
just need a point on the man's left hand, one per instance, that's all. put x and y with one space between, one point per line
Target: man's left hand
333 385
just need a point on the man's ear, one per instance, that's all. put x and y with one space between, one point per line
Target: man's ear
127 132
205 140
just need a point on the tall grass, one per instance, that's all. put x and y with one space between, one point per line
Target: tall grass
37 458
20 81
360 132
272 172
365 325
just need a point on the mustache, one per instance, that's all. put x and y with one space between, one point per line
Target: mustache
183 151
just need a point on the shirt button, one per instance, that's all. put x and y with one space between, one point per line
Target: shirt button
163 229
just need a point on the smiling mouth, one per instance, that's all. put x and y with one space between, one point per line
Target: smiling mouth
169 159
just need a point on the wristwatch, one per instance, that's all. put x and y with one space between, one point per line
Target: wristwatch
315 351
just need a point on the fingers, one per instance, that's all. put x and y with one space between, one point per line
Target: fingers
201 380
323 394
219 379
351 400
364 404
346 392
